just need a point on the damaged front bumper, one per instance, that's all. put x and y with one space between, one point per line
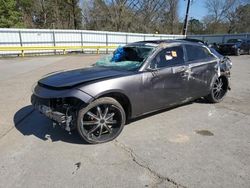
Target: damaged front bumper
59 105
64 117
53 115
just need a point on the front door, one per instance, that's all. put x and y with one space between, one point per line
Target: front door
165 84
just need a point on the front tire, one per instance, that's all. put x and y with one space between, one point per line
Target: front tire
101 121
219 88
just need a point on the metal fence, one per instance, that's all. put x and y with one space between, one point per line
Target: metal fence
219 38
58 38
40 41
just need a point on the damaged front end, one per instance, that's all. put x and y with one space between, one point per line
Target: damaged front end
62 111
223 70
225 65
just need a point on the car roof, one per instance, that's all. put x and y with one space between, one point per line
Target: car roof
167 41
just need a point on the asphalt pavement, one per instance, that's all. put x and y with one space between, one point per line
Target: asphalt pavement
194 145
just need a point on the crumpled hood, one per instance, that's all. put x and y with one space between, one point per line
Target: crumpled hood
67 79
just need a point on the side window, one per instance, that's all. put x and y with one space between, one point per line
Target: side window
169 57
197 52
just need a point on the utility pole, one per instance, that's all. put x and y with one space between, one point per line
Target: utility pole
184 32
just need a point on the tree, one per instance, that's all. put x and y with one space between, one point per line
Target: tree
218 9
195 27
86 4
173 15
227 16
10 16
221 15
75 13
25 7
54 14
242 21
132 15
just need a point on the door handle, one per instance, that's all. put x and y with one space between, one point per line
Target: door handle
179 69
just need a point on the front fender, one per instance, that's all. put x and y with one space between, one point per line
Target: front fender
110 91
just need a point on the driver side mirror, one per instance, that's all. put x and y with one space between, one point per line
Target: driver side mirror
152 67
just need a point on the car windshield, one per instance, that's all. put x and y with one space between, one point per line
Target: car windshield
233 40
126 58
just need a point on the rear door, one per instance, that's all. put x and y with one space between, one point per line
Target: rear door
201 65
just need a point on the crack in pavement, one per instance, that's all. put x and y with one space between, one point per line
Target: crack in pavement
143 164
233 110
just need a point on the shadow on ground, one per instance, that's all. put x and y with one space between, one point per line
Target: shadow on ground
30 122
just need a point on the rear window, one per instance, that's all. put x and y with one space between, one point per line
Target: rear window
197 52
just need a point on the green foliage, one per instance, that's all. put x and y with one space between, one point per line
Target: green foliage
243 19
195 27
52 14
227 16
10 16
143 16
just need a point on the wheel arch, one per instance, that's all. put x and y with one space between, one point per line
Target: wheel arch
211 97
224 79
122 99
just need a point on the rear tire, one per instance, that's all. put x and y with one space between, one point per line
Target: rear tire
101 121
219 88
237 52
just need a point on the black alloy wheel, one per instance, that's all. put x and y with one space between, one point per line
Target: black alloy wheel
218 90
101 121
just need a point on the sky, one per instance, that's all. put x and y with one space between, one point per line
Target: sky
197 9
